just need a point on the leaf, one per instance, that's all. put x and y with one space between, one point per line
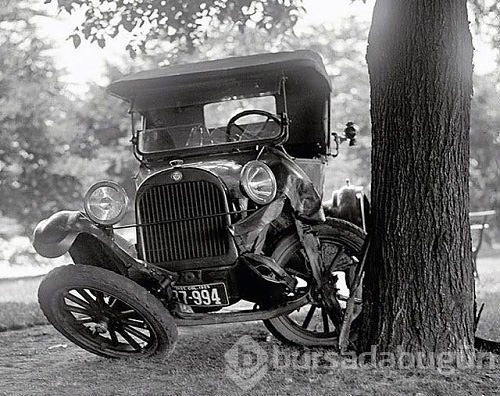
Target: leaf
101 42
128 25
76 40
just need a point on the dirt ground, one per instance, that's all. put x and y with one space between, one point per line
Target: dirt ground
38 361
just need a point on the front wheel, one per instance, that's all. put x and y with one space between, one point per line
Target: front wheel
310 325
106 313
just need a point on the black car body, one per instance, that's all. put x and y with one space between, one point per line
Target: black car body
216 199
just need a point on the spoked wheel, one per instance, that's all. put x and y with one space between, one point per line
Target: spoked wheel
106 313
310 325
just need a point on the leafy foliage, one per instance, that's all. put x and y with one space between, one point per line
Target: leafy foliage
181 21
52 146
30 107
485 145
487 17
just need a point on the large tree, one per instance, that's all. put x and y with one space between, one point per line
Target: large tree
419 285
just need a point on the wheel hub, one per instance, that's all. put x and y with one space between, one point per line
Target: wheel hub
100 327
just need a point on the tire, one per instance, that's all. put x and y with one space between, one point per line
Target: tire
106 313
290 328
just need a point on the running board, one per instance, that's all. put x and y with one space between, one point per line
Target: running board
195 319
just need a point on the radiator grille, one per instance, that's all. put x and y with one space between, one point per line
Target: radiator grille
190 230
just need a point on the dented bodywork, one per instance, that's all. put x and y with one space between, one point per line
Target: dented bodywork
214 203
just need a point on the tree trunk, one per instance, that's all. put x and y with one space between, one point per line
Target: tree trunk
419 286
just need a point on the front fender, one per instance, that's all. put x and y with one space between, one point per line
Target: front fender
294 183
56 235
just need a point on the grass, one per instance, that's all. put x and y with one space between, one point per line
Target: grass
19 315
19 290
19 307
18 304
38 360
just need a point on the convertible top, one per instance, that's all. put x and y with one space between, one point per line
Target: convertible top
190 86
207 81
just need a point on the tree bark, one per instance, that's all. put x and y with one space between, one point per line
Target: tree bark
419 285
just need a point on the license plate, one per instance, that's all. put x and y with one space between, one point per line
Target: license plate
206 295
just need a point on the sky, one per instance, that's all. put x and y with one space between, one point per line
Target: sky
87 63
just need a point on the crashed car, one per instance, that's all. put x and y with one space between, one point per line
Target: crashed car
228 213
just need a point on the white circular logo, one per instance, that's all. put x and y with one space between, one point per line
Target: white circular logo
176 176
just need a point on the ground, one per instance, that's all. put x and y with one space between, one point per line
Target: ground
39 361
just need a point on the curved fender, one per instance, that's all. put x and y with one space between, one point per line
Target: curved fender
294 183
54 236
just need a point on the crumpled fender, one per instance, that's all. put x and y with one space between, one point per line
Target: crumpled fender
294 183
54 236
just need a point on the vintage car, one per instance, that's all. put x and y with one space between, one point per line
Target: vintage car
228 207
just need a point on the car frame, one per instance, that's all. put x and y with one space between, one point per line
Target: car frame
217 211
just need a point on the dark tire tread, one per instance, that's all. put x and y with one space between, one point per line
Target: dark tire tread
121 287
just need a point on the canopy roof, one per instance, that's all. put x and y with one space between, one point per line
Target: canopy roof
202 82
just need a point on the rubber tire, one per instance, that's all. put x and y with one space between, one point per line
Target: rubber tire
119 286
344 232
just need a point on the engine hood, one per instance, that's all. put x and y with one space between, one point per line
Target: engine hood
227 168
291 179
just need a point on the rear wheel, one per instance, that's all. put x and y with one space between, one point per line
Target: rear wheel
106 313
310 325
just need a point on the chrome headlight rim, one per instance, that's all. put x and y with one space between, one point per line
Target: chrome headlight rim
245 182
115 186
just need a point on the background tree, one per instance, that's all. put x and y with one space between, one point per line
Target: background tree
32 114
485 146
44 128
419 285
184 23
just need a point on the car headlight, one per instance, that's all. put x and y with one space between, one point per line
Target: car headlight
106 202
258 182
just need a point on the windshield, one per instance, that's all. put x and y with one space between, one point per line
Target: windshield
210 126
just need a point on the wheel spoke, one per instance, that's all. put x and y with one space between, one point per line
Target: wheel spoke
129 338
137 333
86 295
84 320
324 315
114 338
99 297
126 314
77 300
89 308
309 316
72 308
134 323
112 301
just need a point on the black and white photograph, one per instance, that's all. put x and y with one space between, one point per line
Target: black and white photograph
249 197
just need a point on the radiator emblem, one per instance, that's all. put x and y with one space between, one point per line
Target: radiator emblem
176 176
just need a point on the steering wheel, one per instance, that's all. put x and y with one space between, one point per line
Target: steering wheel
232 122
